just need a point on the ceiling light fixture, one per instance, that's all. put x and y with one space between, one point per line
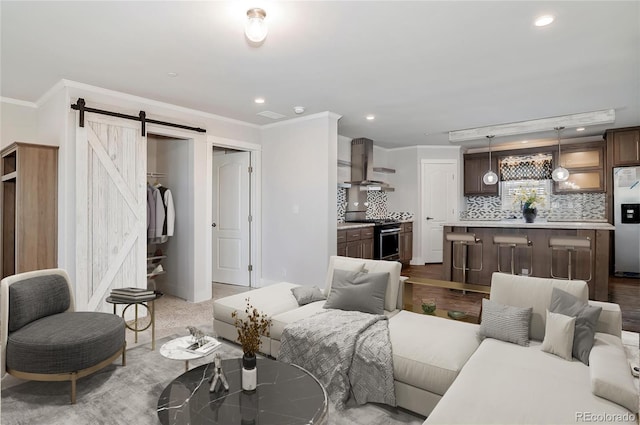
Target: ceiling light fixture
580 129
490 177
543 21
370 117
606 116
560 174
172 74
256 28
259 100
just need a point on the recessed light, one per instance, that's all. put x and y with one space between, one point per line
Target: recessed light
370 117
543 21
259 100
580 129
172 74
525 141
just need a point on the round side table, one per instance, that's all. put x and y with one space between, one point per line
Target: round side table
149 304
175 350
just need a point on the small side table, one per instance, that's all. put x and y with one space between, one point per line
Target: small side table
151 309
175 350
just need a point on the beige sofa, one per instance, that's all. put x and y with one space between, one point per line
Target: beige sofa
429 353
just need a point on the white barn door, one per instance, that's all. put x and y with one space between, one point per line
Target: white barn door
111 163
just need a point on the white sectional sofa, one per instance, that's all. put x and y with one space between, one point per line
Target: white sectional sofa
442 368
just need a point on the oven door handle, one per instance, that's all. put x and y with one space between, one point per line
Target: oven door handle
387 231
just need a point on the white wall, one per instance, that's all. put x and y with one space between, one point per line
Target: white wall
299 180
406 180
18 122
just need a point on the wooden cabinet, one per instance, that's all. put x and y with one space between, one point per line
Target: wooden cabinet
586 165
356 243
29 205
406 242
475 166
625 144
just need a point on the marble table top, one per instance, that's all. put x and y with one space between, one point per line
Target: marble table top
175 349
285 394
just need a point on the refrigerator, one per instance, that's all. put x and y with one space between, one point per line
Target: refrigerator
626 210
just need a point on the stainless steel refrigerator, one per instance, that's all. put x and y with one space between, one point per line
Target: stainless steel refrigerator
626 210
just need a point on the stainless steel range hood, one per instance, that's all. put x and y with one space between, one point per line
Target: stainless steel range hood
362 179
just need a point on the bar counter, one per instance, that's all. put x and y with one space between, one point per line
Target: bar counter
539 233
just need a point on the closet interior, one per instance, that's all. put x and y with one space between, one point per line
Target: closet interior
167 187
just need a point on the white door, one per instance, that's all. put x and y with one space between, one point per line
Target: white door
439 201
111 162
231 221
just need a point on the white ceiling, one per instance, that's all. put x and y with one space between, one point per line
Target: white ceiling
423 68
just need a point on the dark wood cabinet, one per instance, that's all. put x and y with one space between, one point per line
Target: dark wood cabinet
475 166
406 242
586 165
625 144
356 243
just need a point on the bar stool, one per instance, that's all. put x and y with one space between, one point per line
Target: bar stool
464 240
513 242
570 244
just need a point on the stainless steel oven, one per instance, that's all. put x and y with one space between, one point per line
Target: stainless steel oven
387 241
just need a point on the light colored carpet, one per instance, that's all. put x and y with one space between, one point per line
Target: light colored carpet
128 395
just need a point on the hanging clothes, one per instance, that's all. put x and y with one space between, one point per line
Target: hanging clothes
151 211
160 214
170 212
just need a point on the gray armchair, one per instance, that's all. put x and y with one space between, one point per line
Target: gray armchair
44 339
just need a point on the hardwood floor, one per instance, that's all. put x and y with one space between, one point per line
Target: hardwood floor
622 291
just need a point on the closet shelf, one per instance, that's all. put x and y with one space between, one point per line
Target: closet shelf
157 257
384 170
152 275
9 176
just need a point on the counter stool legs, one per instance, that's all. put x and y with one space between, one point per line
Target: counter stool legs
513 242
463 241
570 244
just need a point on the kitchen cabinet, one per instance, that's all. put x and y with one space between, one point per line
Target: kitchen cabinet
356 243
29 208
625 144
406 242
475 166
586 165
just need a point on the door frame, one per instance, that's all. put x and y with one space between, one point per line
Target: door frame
420 223
255 202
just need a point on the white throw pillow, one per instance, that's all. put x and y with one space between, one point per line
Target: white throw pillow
558 335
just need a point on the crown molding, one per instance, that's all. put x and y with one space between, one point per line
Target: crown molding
18 102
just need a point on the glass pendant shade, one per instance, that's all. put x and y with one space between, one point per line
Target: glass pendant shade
490 177
560 174
256 28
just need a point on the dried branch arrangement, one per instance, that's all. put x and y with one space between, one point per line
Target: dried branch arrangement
251 328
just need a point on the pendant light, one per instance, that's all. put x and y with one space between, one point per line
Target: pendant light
490 177
560 174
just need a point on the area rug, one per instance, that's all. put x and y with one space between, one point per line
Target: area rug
129 395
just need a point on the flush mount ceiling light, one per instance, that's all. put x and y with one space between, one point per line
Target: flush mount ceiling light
370 117
256 28
580 129
606 116
490 177
543 21
259 100
560 174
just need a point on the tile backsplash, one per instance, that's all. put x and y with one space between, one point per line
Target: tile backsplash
377 207
570 207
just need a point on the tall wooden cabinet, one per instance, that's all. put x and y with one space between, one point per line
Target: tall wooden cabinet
625 146
29 205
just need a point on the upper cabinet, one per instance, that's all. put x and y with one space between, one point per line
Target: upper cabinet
585 163
475 165
625 144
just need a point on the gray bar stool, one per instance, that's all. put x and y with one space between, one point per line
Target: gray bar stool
513 242
571 244
463 240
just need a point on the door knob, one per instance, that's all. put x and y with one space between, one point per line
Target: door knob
214 225
429 218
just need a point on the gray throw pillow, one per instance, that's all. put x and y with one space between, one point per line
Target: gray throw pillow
586 320
307 294
505 322
357 291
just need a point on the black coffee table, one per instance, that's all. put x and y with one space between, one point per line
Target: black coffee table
285 394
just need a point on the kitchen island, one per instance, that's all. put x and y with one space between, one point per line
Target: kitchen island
538 233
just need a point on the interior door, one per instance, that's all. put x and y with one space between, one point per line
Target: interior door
231 221
439 194
111 162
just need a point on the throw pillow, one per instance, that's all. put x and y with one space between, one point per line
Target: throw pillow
505 322
558 335
357 291
307 294
586 320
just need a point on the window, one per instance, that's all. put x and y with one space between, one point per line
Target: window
510 189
